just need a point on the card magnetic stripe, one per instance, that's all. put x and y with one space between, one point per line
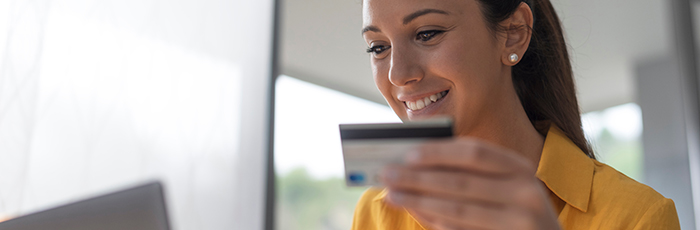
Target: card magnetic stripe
365 134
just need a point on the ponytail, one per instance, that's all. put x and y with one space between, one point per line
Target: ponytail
543 79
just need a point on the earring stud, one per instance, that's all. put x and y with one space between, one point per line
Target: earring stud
513 58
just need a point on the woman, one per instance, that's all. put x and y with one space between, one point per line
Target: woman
501 70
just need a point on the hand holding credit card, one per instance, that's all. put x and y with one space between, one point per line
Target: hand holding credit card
368 148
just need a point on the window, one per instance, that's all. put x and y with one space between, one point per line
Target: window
615 134
311 192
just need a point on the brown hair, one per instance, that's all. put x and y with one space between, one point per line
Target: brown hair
543 79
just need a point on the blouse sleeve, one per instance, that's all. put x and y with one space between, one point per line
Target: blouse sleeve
661 215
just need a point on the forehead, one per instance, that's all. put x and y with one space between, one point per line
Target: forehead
392 11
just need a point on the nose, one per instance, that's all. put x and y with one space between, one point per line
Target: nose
405 68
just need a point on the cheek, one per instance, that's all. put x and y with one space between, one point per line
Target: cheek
472 64
473 67
381 80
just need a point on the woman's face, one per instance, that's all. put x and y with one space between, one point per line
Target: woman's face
436 58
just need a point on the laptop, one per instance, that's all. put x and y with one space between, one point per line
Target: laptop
141 207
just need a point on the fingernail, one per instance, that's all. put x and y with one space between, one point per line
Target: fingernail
413 157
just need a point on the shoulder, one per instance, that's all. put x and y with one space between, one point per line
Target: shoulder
613 194
370 207
371 194
366 216
612 187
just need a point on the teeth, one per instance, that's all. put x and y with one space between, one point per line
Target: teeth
425 102
420 104
411 105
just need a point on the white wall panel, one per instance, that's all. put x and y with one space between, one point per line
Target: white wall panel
98 95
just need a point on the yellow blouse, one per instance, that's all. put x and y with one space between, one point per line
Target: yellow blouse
587 194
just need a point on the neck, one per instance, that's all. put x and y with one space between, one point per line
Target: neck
507 124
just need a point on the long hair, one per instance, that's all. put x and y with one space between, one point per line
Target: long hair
543 79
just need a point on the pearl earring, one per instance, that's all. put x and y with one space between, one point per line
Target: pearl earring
513 58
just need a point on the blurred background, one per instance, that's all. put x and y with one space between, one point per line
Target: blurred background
97 95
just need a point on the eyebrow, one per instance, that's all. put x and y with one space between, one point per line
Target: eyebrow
371 28
419 13
408 18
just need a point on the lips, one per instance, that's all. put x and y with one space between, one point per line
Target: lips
426 101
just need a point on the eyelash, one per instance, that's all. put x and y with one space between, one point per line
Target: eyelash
377 49
423 36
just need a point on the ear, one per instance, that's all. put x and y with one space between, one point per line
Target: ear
518 34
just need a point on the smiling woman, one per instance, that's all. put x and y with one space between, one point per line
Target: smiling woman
521 160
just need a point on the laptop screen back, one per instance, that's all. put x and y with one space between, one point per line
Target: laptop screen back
142 207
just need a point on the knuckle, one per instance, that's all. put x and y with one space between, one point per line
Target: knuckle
419 179
531 199
444 225
423 149
459 210
527 195
474 153
418 155
524 222
518 219
411 201
456 183
526 166
409 178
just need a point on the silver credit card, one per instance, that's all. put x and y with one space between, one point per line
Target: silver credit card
368 148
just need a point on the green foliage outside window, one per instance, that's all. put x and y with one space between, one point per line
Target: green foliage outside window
305 203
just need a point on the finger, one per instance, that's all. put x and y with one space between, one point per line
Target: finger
521 219
450 226
447 214
508 220
449 184
436 224
471 154
424 220
464 214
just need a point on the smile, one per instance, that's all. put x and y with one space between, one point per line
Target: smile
426 101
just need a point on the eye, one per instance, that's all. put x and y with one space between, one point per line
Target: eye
377 49
427 35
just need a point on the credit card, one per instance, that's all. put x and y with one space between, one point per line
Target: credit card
368 148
